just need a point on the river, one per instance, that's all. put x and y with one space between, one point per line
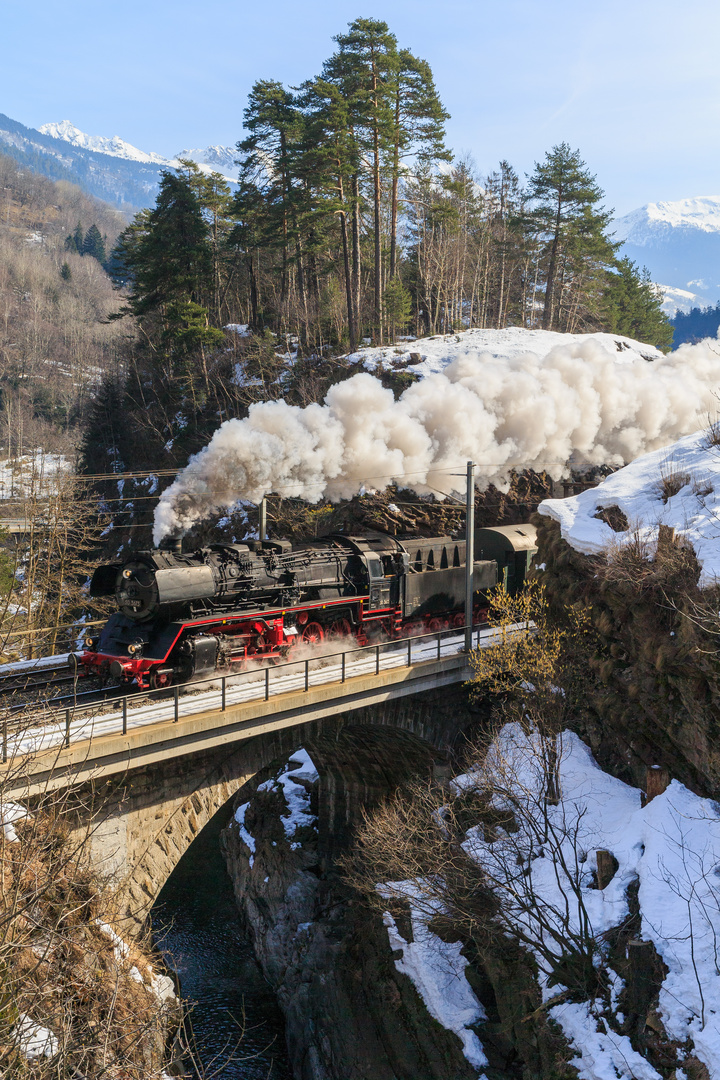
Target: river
237 1027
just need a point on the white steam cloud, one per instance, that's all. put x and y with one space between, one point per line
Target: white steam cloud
578 404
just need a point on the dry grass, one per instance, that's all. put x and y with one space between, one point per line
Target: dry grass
62 971
671 482
712 433
614 517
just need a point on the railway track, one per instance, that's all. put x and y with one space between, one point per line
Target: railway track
23 681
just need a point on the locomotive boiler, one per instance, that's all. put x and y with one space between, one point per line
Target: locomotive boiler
183 615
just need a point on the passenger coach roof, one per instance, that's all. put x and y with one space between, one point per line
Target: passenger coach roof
517 537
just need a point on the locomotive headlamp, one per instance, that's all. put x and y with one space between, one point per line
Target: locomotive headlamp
127 573
90 642
135 649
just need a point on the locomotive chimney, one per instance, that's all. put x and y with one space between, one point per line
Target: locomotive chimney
262 522
171 543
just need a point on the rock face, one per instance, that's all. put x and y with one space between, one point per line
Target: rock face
350 1014
653 693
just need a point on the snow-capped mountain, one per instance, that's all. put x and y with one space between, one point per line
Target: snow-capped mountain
109 168
115 146
679 242
213 158
218 158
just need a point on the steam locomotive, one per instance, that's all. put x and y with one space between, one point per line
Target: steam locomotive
184 615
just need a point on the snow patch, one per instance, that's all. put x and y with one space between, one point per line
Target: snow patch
437 971
247 838
690 468
300 767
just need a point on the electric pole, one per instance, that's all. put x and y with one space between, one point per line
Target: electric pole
469 554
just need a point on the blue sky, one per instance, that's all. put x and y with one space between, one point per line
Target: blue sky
634 84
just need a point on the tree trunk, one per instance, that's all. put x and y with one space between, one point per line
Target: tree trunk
356 250
395 180
376 208
550 283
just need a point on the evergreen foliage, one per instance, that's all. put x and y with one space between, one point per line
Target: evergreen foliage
696 324
632 306
93 244
572 234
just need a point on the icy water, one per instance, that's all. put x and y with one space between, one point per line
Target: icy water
237 1027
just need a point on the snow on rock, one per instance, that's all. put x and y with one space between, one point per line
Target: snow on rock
437 971
161 986
603 1054
689 467
33 1040
247 838
296 795
671 847
11 812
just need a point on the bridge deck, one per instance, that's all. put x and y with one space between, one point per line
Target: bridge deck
90 745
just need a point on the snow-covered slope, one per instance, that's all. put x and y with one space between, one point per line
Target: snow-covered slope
679 242
680 300
678 486
643 226
433 354
220 158
110 169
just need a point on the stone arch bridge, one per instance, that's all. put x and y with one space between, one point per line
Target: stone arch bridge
146 794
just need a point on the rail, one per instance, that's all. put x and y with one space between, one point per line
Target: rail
263 681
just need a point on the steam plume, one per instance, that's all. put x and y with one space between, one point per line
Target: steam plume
578 404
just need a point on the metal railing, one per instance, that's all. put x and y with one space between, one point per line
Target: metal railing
265 676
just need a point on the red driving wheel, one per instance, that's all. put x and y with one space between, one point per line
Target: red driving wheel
313 633
340 628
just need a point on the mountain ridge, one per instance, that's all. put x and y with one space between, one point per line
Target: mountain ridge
679 242
127 178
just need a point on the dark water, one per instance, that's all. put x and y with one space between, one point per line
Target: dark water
237 1028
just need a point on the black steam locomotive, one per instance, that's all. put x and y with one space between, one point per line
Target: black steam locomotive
186 615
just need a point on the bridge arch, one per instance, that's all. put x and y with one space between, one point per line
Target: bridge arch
144 820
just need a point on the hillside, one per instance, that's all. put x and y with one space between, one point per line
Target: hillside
55 341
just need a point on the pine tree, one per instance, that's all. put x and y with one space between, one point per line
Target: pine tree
633 306
93 244
331 155
366 67
66 272
398 306
78 238
418 128
571 226
275 124
167 255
